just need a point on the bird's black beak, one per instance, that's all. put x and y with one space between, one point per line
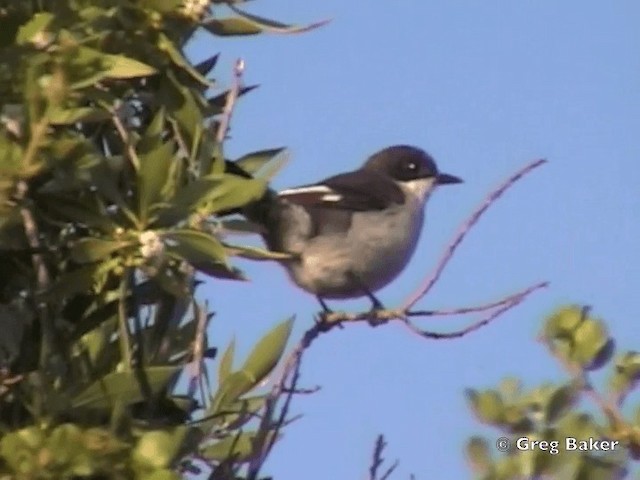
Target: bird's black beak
446 179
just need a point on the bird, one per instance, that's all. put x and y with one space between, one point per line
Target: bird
353 233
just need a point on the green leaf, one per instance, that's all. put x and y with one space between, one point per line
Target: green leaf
216 104
479 455
487 405
222 271
226 27
76 281
626 374
39 23
152 137
226 362
271 26
96 341
235 192
82 211
195 246
184 105
207 65
163 6
254 161
510 388
245 410
238 448
590 339
89 249
563 322
59 116
154 450
255 253
166 45
233 387
119 66
561 402
266 354
153 175
124 387
188 199
239 226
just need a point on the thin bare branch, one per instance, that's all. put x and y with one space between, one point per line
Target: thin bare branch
230 102
431 280
376 459
476 308
263 441
505 306
124 136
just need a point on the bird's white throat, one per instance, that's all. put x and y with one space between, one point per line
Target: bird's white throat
419 188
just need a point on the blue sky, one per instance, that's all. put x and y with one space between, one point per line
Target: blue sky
484 87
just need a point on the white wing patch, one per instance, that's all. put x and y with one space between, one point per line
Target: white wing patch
312 194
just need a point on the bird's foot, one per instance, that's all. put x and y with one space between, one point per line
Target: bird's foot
375 319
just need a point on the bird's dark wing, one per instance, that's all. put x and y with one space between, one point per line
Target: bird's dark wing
356 191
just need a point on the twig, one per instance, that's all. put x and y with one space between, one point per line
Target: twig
377 461
430 281
33 238
474 308
197 362
232 96
124 136
262 443
505 306
123 323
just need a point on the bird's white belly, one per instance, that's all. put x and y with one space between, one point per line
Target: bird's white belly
328 263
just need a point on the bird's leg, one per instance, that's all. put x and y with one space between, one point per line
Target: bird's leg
323 304
376 305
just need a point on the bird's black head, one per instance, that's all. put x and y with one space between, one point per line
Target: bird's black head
406 163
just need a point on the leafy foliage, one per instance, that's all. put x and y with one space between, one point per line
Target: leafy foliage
550 413
113 180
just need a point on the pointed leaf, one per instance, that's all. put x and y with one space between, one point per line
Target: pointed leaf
561 402
124 387
231 389
120 66
479 455
218 102
272 26
590 338
255 253
254 161
487 405
89 249
226 362
29 32
207 65
266 354
59 116
83 211
195 246
238 448
235 192
165 44
563 322
227 27
153 173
